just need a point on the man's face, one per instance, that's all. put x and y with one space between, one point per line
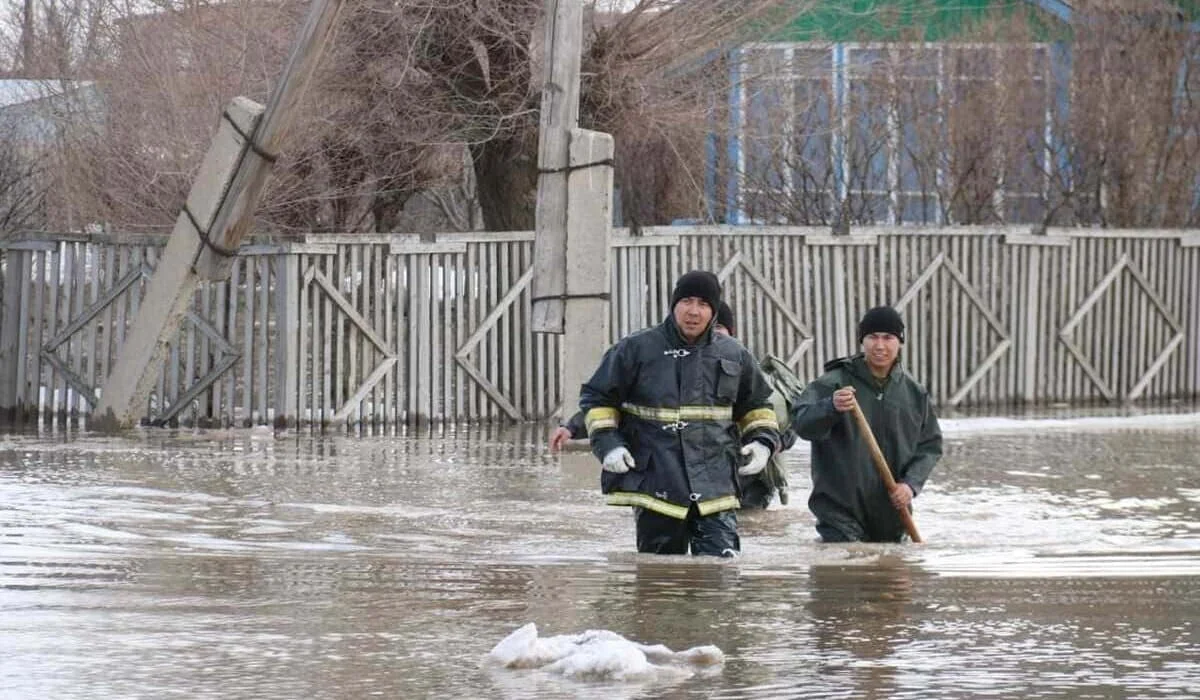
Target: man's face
880 350
718 328
692 315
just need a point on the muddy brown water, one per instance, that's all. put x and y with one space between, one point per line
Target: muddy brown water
1063 561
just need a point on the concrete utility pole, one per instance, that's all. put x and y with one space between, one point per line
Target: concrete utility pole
574 219
589 225
218 213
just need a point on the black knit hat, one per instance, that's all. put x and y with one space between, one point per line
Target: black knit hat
698 283
725 318
881 319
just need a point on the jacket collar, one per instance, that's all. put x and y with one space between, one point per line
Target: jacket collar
857 365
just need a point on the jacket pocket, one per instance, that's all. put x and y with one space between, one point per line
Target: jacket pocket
629 481
729 373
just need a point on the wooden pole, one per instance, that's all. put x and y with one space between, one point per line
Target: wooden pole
559 115
236 212
570 285
16 276
885 473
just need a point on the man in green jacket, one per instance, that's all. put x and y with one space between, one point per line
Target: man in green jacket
849 498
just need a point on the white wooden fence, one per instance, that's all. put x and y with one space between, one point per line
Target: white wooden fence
389 330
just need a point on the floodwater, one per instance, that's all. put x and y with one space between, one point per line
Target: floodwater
1062 561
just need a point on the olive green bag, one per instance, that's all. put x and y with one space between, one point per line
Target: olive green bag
786 388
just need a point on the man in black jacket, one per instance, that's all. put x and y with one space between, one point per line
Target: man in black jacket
757 490
849 498
672 412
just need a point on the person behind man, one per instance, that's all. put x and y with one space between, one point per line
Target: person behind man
848 497
574 428
758 490
671 412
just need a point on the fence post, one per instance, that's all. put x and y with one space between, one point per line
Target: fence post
14 268
1029 334
559 117
287 338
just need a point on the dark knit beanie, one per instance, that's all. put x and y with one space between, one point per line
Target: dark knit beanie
725 318
698 283
881 319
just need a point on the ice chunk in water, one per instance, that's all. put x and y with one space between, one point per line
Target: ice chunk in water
516 647
599 654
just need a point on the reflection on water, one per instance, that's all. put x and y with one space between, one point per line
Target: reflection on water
1063 561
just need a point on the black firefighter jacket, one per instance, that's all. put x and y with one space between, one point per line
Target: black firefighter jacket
845 483
684 412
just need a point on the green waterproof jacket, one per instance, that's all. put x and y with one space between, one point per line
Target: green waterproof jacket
683 411
847 491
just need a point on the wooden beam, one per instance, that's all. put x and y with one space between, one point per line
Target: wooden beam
379 373
16 283
221 366
559 115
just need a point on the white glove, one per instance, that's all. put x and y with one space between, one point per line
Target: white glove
759 454
618 460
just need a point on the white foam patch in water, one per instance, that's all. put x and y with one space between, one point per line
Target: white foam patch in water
266 530
97 532
1031 564
563 558
397 511
141 492
1135 504
991 424
204 543
1036 475
600 655
1190 494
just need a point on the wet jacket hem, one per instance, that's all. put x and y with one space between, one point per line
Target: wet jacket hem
671 510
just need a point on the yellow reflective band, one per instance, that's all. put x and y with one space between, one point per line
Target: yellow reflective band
717 505
602 418
705 413
683 413
631 498
758 418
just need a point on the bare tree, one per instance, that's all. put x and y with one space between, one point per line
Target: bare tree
1134 131
999 127
53 38
24 180
408 86
656 78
